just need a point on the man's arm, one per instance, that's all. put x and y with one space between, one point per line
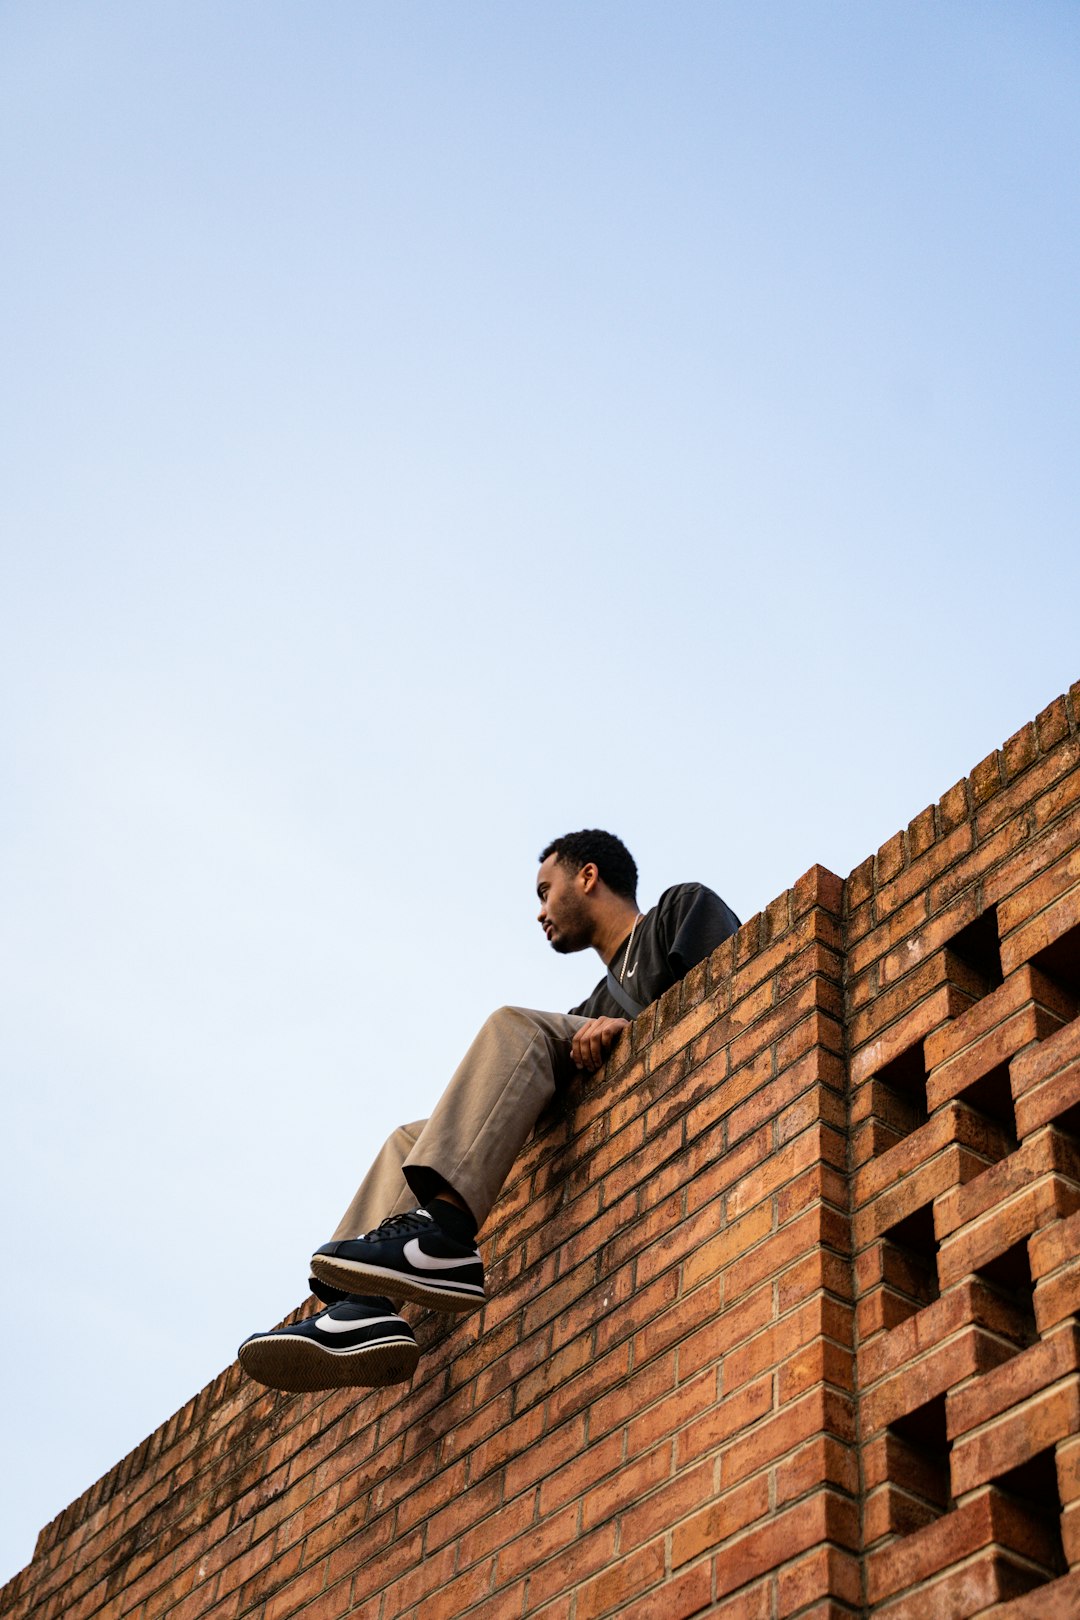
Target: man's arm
594 1040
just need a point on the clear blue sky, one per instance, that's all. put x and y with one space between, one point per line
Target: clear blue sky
427 429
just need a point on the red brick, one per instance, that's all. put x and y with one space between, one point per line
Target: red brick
1060 1600
1058 1297
822 1460
823 1361
820 1183
1052 817
907 938
770 1256
972 1351
577 1560
656 1513
826 1572
988 1518
938 858
822 1411
757 964
825 1516
892 1512
1054 902
949 1168
987 778
769 1348
1051 1415
685 1595
737 1238
984 1239
784 1164
1041 1154
921 831
1046 1079
727 1516
1052 724
1054 1245
872 1004
798 1079
599 1375
971 1303
722 1423
953 1123
953 807
1017 1380
1067 1458
720 1329
889 860
599 1475
535 1463
945 1003
750 1603
988 1578
686 1404
1026 985
624 1580
1020 751
817 887
859 885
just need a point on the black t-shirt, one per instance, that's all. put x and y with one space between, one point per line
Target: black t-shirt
686 924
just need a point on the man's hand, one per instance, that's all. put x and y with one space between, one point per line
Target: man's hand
594 1040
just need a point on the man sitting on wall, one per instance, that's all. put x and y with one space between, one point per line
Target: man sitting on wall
454 1164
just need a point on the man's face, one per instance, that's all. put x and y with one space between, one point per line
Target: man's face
564 914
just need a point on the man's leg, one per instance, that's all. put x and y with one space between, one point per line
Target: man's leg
384 1190
359 1339
482 1120
485 1116
466 1149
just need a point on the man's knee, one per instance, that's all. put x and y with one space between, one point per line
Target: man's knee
510 1015
402 1140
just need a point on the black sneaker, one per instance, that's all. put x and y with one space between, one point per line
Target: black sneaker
410 1256
356 1341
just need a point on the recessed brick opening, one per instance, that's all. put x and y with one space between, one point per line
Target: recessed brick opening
1009 1275
909 1253
1060 961
1068 1121
899 1096
918 1454
992 1095
978 948
1035 1486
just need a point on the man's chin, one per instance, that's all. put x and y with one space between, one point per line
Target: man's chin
566 947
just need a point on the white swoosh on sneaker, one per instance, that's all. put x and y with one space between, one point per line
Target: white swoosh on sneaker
335 1325
415 1255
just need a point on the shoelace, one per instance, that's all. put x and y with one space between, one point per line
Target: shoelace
410 1221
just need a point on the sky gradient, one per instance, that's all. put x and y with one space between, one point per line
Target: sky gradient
425 430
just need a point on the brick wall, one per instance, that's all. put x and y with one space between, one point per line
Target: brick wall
784 1305
962 988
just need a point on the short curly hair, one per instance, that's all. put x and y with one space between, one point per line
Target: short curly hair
608 854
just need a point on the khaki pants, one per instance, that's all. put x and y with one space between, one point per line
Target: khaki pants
480 1124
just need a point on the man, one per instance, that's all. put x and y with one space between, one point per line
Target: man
453 1165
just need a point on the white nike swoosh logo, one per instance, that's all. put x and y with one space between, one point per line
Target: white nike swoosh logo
334 1324
415 1255
632 971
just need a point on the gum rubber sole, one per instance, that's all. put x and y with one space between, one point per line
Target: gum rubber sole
297 1365
354 1277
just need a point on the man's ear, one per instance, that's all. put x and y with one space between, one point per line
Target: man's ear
589 877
